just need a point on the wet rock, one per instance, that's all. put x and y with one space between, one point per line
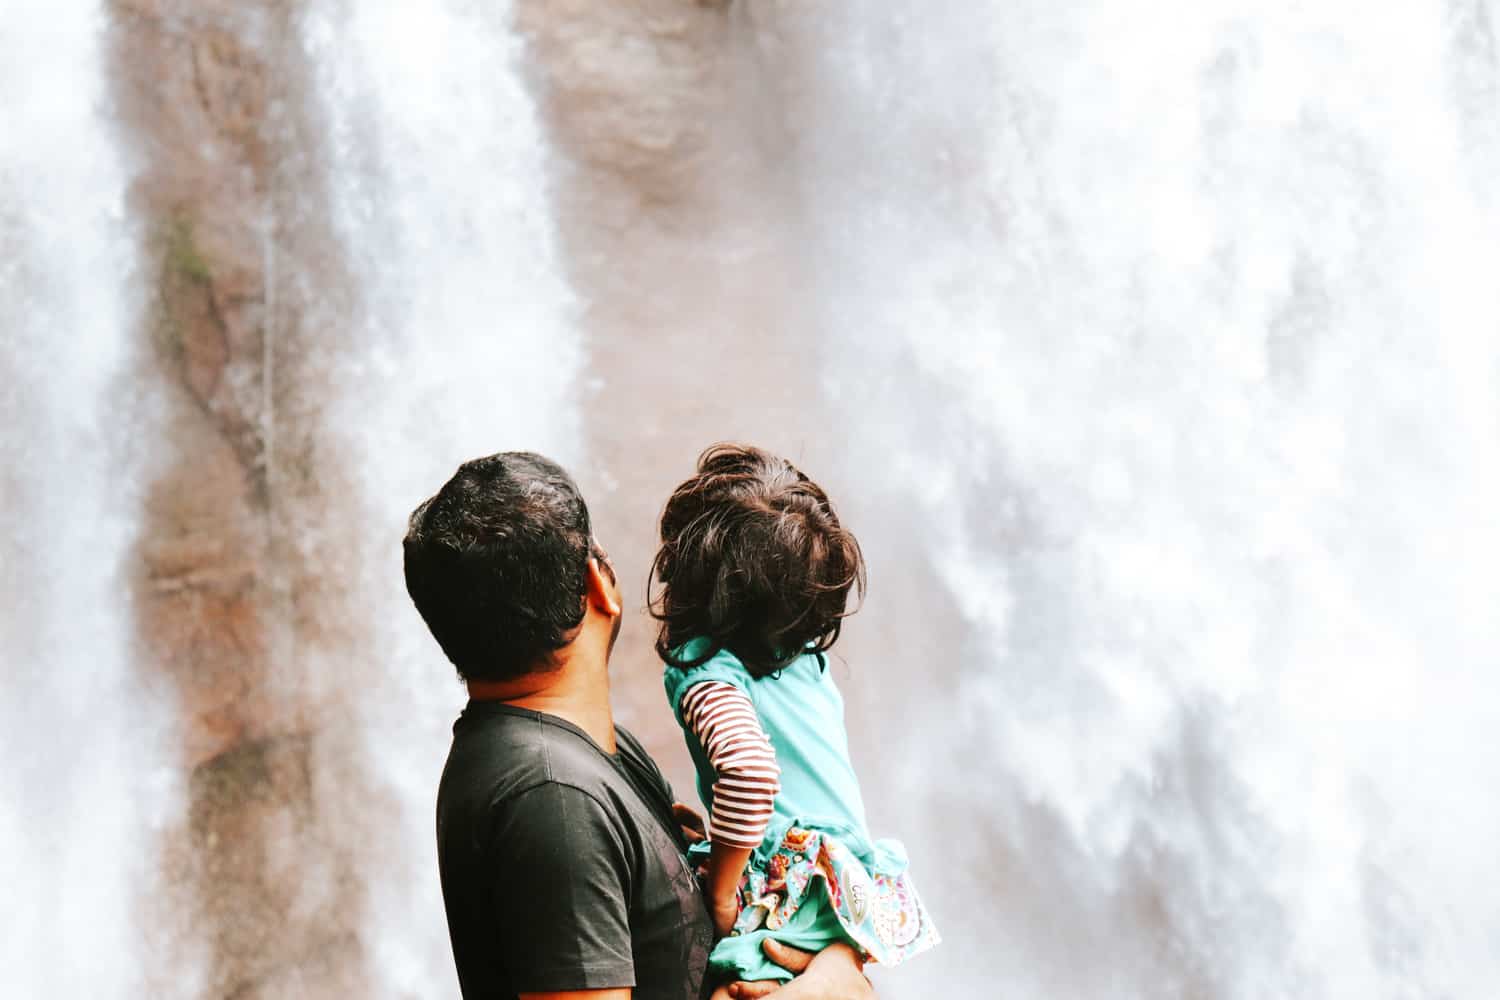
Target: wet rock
259 890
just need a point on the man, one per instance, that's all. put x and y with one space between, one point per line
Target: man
562 863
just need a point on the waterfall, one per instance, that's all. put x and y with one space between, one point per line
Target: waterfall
1151 351
79 790
1169 335
465 345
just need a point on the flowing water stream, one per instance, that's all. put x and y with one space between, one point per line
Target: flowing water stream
1173 337
84 783
467 346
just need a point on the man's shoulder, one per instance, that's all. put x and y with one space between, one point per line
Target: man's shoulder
627 741
500 752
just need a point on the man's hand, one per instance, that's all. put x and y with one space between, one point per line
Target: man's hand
835 973
689 822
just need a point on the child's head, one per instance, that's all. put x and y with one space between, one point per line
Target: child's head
752 558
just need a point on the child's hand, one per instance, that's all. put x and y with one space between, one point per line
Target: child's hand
724 912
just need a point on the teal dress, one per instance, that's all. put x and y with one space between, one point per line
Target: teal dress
818 876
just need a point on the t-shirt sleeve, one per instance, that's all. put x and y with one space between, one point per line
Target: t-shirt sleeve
561 893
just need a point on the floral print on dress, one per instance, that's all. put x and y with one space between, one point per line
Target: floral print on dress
881 914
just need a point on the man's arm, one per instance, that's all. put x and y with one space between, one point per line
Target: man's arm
835 973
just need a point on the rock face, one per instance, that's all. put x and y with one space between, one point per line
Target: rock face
210 92
193 94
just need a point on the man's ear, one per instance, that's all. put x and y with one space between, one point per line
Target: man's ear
600 593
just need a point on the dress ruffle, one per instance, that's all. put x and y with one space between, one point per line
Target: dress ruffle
875 907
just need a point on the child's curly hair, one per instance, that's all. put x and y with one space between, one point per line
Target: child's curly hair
754 560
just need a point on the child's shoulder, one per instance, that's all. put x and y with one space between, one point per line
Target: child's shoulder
723 666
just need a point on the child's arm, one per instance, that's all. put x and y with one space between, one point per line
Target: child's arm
723 720
726 865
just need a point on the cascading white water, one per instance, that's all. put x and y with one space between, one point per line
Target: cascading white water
1162 341
466 347
1186 345
79 795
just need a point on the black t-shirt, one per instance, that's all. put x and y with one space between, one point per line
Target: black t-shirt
562 866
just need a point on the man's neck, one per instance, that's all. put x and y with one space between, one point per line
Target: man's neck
575 689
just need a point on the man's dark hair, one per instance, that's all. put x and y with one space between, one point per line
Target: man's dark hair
496 563
754 560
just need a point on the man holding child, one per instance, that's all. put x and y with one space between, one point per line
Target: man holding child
561 849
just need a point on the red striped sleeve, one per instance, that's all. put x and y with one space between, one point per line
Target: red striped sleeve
724 721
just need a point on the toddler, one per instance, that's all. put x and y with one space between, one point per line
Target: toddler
754 575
